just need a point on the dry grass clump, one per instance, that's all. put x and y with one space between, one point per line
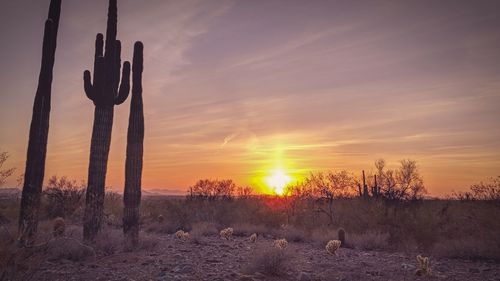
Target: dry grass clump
148 243
292 233
182 235
321 236
253 238
370 241
332 246
201 230
271 261
59 227
280 244
468 247
423 267
70 249
109 241
226 233
246 229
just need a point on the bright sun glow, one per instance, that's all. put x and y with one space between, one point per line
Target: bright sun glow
278 180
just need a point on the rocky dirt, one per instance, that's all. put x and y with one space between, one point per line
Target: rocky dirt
217 259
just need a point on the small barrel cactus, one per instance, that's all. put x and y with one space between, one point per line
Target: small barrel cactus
253 238
59 227
281 244
423 267
226 233
180 234
332 246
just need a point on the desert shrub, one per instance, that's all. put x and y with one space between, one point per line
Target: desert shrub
108 241
113 205
70 249
212 189
270 261
63 196
370 241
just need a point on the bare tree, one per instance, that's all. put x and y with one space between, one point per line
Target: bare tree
294 195
406 183
332 185
4 173
489 191
244 191
213 189
410 181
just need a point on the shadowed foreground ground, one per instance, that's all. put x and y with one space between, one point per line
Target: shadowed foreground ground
216 259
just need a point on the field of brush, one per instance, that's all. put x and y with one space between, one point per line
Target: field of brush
382 241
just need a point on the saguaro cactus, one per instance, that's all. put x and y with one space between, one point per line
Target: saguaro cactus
105 93
133 165
39 130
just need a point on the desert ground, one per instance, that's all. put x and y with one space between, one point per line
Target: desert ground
381 239
164 257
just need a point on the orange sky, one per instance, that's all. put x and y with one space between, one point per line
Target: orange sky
235 89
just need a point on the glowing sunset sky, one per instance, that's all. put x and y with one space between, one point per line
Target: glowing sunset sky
235 89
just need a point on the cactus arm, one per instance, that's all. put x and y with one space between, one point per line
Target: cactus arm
124 85
99 45
87 85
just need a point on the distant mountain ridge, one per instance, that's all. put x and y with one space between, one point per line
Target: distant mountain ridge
14 192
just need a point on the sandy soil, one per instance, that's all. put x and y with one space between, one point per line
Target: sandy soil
216 259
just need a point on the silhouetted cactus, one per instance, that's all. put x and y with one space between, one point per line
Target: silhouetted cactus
39 130
105 92
375 188
133 166
341 236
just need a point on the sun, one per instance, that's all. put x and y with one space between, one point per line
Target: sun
278 180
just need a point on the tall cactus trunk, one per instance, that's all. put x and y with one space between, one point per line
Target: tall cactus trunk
99 151
133 166
105 91
39 130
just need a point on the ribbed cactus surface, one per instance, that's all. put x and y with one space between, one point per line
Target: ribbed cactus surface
106 91
133 165
39 130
